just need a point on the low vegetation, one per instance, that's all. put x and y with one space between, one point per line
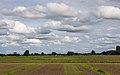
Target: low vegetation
60 59
71 70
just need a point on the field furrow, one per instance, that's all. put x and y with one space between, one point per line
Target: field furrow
44 69
4 68
86 71
10 70
60 65
114 69
96 69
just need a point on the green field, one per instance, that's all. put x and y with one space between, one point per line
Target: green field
60 59
60 65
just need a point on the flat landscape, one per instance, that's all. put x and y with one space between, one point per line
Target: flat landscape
60 65
59 37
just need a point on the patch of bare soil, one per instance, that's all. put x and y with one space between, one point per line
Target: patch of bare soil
45 69
86 71
113 69
8 67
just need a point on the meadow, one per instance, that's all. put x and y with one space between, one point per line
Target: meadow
60 65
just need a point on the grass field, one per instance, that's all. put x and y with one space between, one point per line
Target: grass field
60 65
60 59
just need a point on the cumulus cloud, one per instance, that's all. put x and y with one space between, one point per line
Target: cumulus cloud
63 23
107 40
21 34
21 11
54 11
57 25
108 12
61 9
15 32
39 11
60 40
33 41
70 39
18 27
40 30
3 25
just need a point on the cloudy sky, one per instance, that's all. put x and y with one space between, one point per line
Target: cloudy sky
59 25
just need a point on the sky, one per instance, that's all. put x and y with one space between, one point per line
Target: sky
59 25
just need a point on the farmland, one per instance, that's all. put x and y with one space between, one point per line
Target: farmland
60 59
60 65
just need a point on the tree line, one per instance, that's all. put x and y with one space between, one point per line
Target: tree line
27 53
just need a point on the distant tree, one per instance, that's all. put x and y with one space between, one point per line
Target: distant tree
93 52
54 53
26 53
31 54
42 53
103 53
111 52
70 53
36 54
117 48
76 53
14 54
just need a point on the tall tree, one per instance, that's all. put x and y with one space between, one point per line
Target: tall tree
26 53
93 52
54 53
70 53
42 53
117 48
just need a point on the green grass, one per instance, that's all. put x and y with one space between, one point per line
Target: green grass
71 70
60 59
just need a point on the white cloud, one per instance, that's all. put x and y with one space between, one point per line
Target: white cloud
39 11
21 11
61 9
69 39
41 30
14 44
61 40
109 12
18 27
21 34
22 28
32 41
39 8
57 25
87 37
15 37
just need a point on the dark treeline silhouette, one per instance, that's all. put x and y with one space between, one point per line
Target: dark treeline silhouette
112 52
69 53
